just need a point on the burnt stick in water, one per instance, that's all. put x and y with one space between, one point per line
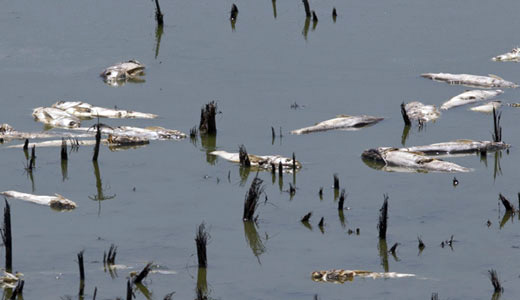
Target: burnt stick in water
234 12
129 293
307 8
64 155
142 275
251 199
509 207
81 273
243 157
98 141
201 240
406 119
336 182
341 200
383 218
306 218
495 282
207 118
7 237
158 14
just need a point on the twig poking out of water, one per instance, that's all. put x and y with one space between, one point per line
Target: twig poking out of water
234 12
98 141
142 275
110 259
193 132
32 162
383 218
320 193
336 182
495 282
201 240
306 218
201 295
314 17
307 8
322 222
26 145
18 290
497 135
7 238
129 293
207 118
280 169
394 248
63 149
293 162
158 14
341 200
273 169
292 189
95 293
435 296
508 206
243 157
334 14
81 273
421 244
251 199
406 119
168 296
273 134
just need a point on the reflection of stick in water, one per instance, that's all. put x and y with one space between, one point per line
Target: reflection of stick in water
253 239
274 8
202 284
383 254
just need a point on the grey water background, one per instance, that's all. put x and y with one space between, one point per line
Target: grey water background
368 62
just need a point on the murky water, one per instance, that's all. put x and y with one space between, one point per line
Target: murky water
367 62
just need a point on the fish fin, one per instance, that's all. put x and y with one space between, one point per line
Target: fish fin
495 76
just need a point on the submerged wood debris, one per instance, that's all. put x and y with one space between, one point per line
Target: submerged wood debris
342 276
470 97
57 202
471 80
264 162
343 122
118 74
513 55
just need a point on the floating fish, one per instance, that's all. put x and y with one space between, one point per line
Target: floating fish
148 133
118 74
469 97
55 117
396 160
488 107
7 132
57 202
420 112
9 280
514 55
85 110
344 122
260 161
458 147
342 276
471 80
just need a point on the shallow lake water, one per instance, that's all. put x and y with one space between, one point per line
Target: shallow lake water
367 62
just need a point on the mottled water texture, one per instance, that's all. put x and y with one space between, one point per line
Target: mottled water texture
149 201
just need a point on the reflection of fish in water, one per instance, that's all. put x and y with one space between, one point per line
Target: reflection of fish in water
342 276
340 122
470 80
260 161
117 74
469 97
514 55
85 110
55 117
396 160
57 202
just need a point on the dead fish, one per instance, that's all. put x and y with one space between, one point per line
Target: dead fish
421 112
514 55
458 147
344 122
55 117
471 80
85 110
488 107
407 161
469 97
57 202
126 140
7 132
117 74
9 280
147 133
261 161
342 276
58 143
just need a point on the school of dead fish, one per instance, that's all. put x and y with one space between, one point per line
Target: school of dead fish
69 114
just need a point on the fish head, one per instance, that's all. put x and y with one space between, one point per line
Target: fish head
373 154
